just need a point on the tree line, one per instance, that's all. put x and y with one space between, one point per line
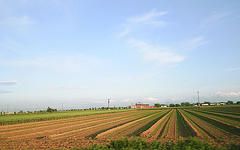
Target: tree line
186 104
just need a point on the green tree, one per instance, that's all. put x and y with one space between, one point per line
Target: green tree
177 105
157 105
51 109
229 102
185 104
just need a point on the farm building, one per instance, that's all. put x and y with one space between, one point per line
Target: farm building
142 106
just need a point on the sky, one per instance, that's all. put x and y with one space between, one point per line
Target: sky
77 54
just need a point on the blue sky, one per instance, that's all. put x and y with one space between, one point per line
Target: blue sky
79 53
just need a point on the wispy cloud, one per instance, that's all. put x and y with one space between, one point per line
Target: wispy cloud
151 99
155 53
69 88
5 92
194 43
10 45
233 69
17 21
8 82
214 18
151 18
141 100
228 94
150 52
59 63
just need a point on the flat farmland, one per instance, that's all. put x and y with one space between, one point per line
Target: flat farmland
216 125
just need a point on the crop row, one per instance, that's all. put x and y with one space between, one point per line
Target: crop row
157 124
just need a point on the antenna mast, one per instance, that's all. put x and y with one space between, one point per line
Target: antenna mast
198 98
108 102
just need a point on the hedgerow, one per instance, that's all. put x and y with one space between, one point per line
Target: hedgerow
140 144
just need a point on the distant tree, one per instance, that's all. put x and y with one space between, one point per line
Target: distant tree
185 104
20 112
51 109
229 102
171 105
238 102
177 105
157 105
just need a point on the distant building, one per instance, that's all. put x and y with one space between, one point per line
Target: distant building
142 106
9 113
213 104
222 103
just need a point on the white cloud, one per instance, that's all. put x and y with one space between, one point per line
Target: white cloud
228 94
155 53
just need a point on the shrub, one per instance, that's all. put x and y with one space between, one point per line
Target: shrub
140 144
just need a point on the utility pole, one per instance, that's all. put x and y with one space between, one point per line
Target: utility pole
198 99
108 102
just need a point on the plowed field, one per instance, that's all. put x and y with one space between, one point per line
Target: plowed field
217 126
